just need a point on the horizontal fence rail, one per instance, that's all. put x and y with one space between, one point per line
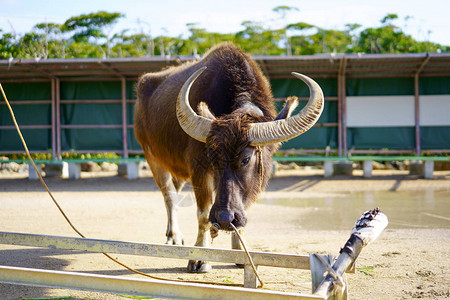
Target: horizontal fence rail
156 250
136 287
114 284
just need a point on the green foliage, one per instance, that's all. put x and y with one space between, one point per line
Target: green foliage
258 40
92 25
90 35
52 298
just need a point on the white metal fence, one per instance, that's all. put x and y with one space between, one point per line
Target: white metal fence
146 287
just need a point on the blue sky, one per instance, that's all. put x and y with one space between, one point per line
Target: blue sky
429 19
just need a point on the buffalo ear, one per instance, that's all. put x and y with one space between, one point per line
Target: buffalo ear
250 108
288 109
204 111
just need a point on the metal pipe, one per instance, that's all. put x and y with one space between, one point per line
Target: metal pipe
87 126
366 230
136 287
53 117
341 96
7 127
156 250
91 101
417 103
27 102
58 118
124 117
417 112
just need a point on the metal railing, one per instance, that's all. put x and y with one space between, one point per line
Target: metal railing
148 287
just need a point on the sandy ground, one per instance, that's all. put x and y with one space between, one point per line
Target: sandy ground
401 264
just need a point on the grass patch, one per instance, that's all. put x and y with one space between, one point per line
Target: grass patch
136 297
52 298
228 280
369 271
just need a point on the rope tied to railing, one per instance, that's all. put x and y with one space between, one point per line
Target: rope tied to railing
248 255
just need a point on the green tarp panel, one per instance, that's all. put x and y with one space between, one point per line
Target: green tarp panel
435 137
36 139
88 90
381 137
434 85
131 89
28 90
398 137
282 88
132 142
92 139
131 94
317 137
379 86
26 114
110 139
91 114
329 114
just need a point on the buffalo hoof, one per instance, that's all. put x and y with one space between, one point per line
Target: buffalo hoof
198 267
174 241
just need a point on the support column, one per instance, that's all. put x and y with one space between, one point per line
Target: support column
367 168
74 171
428 169
124 117
129 169
250 280
53 118
417 113
57 169
58 118
327 168
417 103
32 175
342 128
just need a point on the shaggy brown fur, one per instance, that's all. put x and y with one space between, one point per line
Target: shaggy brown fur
235 94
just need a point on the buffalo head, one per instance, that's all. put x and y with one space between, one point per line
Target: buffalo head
240 145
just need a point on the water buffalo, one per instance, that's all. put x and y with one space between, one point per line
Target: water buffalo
213 122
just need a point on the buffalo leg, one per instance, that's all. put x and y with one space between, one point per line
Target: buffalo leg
203 194
165 182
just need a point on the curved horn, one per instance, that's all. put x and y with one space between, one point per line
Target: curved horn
282 130
194 125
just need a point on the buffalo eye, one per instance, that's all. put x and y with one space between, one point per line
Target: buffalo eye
245 161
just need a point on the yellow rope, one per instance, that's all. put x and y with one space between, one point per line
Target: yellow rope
260 167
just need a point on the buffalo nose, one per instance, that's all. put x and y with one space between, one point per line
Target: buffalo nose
224 218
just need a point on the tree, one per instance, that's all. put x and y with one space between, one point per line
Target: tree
283 10
8 45
257 40
49 40
200 40
90 35
90 29
389 38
